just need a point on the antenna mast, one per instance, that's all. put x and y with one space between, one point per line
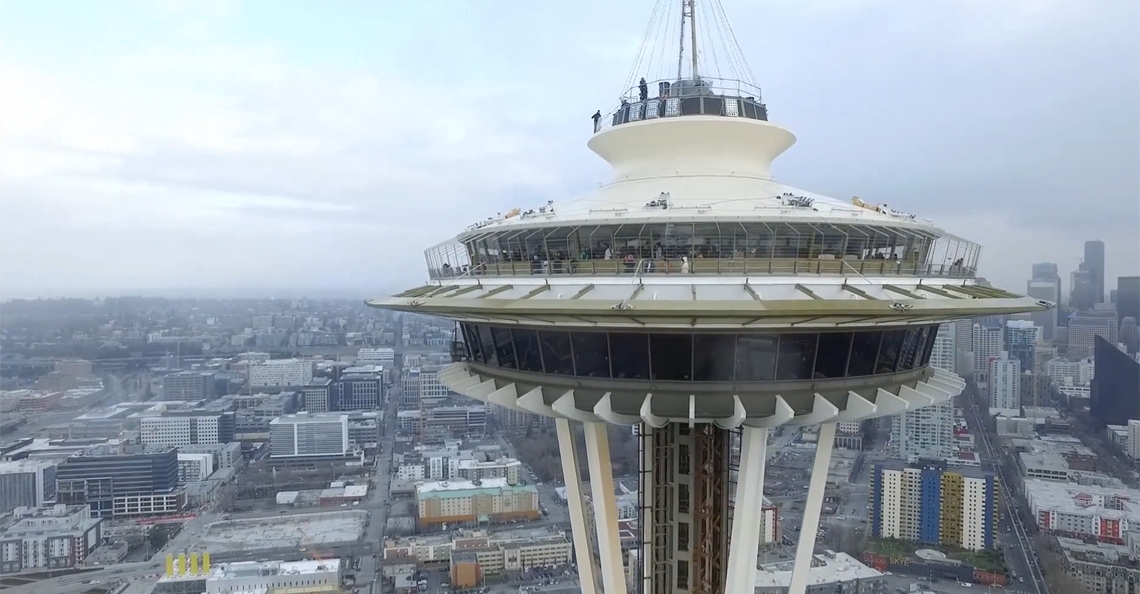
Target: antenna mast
688 11
693 34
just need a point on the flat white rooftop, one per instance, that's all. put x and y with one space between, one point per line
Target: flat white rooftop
826 568
441 486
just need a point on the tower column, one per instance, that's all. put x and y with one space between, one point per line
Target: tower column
605 508
577 507
747 511
806 546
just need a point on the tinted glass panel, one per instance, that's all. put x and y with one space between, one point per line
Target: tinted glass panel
929 346
629 355
756 357
672 356
591 354
913 346
831 355
889 352
797 356
864 353
714 357
487 345
504 347
471 339
556 354
527 350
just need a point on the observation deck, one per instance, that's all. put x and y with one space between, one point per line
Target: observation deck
706 96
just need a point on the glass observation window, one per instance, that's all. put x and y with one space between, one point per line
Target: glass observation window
556 352
629 354
702 356
756 357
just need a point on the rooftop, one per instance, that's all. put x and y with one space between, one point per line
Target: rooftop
1087 500
827 568
464 488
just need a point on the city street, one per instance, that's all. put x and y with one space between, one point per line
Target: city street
1019 553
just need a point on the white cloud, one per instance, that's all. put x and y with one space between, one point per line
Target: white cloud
251 149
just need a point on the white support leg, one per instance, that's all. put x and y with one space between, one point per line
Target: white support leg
605 508
746 512
806 546
577 507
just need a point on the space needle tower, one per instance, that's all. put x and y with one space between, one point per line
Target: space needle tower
704 303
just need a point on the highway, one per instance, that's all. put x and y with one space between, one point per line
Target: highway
1019 554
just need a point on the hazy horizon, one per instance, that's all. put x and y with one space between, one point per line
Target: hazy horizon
227 146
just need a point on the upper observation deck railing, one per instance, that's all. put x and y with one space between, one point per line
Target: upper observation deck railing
686 97
707 266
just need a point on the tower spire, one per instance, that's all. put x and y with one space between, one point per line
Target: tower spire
688 13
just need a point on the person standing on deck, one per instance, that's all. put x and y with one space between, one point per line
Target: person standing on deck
643 89
597 120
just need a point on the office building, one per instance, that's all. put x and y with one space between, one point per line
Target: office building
26 483
1082 289
194 467
1020 341
458 420
830 573
359 391
48 538
459 502
1128 297
280 373
385 357
1114 393
988 341
1005 385
1047 271
188 386
183 428
309 435
316 397
1047 290
1094 263
225 455
1085 326
422 386
1130 335
933 504
122 480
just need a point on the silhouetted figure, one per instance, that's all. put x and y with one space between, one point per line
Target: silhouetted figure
643 89
597 120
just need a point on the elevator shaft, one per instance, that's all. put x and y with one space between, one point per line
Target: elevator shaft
685 512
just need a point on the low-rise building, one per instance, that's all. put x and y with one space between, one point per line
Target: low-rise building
830 572
48 538
1102 568
490 500
1081 511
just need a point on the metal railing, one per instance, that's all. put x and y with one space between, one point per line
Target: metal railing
708 266
672 98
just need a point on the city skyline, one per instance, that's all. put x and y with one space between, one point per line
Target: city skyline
238 149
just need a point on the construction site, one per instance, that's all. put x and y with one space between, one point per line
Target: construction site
294 531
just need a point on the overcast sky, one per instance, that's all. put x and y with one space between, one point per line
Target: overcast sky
212 145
